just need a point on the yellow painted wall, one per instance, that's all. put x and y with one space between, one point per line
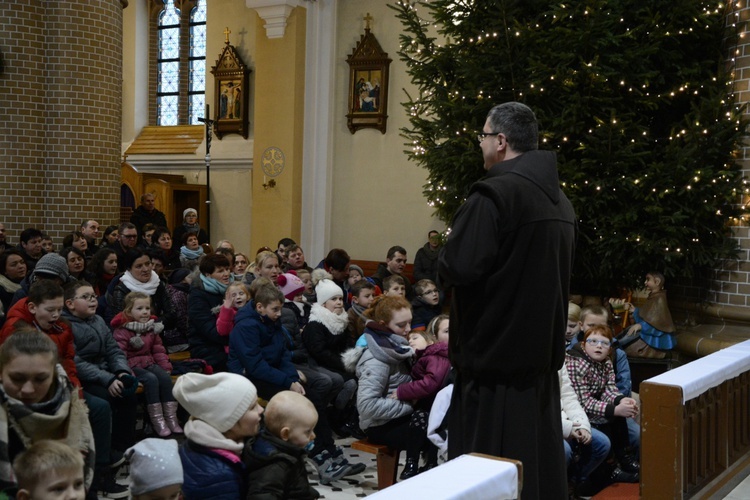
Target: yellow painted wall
377 194
279 119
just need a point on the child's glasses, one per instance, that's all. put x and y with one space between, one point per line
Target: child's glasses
595 342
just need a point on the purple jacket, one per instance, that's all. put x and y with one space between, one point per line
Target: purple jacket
428 374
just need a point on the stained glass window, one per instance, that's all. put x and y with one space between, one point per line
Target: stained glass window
181 65
197 83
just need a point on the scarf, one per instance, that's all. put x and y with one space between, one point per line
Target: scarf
214 286
204 434
191 254
132 284
385 345
63 417
336 323
191 228
8 285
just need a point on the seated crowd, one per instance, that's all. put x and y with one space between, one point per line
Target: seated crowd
327 350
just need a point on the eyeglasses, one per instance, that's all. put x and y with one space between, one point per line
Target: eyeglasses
129 236
430 292
87 296
481 135
595 342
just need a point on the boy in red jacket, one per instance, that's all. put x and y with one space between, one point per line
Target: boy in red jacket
41 311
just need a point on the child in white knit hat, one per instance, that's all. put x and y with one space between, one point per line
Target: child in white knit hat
155 470
224 412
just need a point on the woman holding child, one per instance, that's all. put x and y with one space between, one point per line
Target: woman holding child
38 401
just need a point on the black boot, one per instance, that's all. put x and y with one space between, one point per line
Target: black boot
411 469
430 459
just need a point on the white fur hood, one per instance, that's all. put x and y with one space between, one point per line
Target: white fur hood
350 357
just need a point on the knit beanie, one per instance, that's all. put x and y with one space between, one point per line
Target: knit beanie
154 464
326 290
187 211
52 265
220 399
355 267
290 285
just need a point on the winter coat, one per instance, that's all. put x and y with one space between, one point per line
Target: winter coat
508 258
326 338
594 383
178 298
98 358
205 341
60 333
422 313
209 474
302 315
150 352
379 370
276 470
258 349
141 217
426 263
160 304
571 411
428 375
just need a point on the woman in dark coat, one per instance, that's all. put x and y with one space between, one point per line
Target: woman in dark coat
139 277
204 303
12 272
190 225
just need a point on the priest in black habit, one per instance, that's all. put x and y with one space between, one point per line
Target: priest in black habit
508 260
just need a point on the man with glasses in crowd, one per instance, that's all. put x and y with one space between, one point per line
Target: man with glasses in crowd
127 239
508 260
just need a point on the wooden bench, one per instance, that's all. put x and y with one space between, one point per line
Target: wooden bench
386 459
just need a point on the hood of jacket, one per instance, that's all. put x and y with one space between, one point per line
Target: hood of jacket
248 311
436 349
539 167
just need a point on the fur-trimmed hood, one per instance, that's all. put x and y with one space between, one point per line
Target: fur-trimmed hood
351 358
336 323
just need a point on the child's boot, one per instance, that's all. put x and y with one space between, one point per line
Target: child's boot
411 468
156 415
170 416
430 459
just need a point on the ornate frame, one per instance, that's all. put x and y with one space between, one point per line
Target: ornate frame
231 86
368 84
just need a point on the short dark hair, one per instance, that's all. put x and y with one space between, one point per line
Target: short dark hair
131 256
291 248
390 280
124 226
186 236
71 289
286 242
360 285
44 290
68 250
393 250
29 234
4 259
518 123
210 262
158 232
337 259
156 254
70 238
226 252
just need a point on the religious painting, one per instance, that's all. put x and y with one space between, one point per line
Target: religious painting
231 78
368 84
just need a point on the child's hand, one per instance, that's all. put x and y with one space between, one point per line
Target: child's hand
297 387
626 408
115 388
393 395
582 436
227 302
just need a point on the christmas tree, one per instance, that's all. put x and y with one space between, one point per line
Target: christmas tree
635 97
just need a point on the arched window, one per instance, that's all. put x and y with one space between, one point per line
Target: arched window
180 62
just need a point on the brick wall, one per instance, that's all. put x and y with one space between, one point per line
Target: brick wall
60 119
730 283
